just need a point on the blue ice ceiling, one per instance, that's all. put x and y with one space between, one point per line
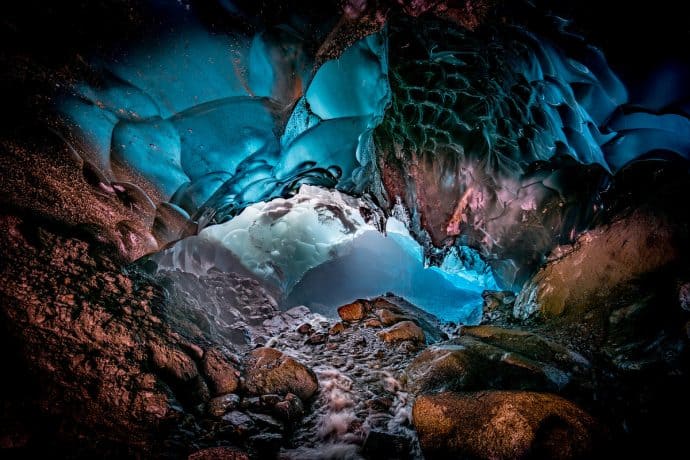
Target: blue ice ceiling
224 120
217 119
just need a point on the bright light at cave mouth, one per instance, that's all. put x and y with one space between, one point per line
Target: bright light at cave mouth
316 249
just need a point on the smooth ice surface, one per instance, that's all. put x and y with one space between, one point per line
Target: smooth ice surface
318 250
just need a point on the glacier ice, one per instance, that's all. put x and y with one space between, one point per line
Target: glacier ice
221 121
501 139
317 249
506 138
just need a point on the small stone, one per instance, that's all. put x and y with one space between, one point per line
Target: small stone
372 322
402 331
317 339
218 453
270 400
290 409
267 421
305 329
354 311
337 328
219 406
174 361
240 422
222 376
251 403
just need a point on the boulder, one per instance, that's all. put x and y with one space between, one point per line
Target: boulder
502 425
602 262
221 374
219 406
528 344
468 364
269 371
173 361
402 331
388 318
355 311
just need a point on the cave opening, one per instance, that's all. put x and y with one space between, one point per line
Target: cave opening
357 229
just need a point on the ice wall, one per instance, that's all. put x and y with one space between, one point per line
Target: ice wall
501 139
506 137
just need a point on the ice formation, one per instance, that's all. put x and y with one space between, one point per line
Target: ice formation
318 249
222 121
500 139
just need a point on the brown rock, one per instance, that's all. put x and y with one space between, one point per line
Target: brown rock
372 322
317 339
305 329
354 311
503 424
172 360
441 368
336 329
531 345
222 376
270 371
388 318
601 262
218 453
217 407
469 364
405 330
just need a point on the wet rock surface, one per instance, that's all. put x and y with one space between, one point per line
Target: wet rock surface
268 371
403 331
354 311
499 424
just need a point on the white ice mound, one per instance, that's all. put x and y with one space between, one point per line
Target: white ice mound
318 249
282 239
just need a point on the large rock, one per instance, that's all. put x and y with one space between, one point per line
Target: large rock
388 318
503 425
355 311
528 344
402 331
221 374
269 371
598 267
468 364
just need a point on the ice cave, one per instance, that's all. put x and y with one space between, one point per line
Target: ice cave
391 229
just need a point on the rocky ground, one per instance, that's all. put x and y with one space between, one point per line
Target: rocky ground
112 361
103 358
